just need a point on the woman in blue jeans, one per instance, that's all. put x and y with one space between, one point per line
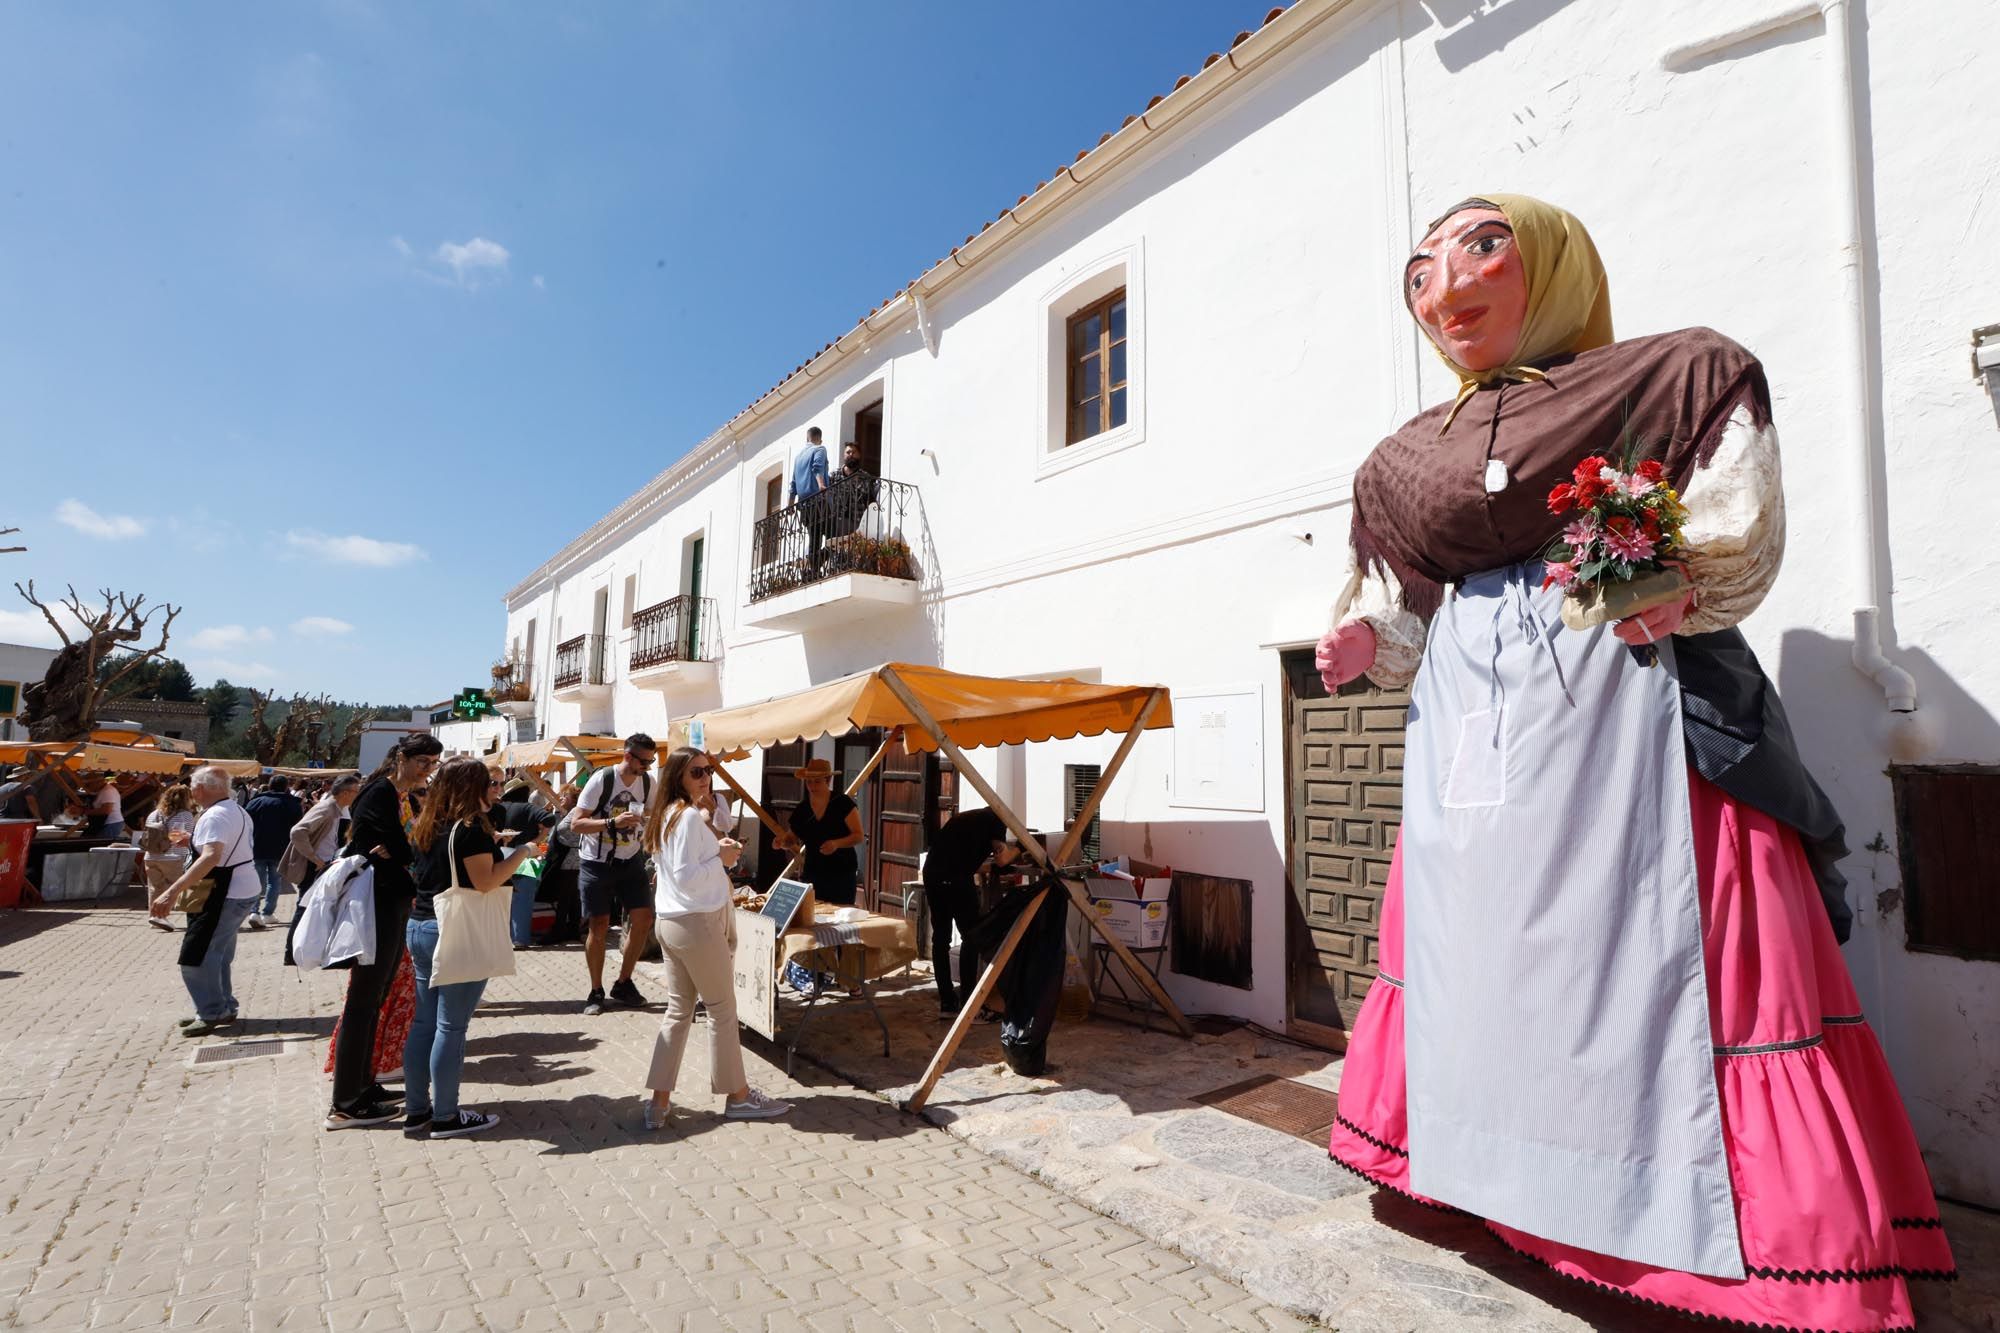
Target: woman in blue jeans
455 844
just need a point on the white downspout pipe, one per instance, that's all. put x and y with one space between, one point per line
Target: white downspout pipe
1904 735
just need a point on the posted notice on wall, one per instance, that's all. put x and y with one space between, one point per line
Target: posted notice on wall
756 973
1219 748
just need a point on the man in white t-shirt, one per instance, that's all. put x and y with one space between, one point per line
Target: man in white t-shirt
109 803
611 868
222 855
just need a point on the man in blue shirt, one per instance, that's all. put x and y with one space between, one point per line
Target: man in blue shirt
809 470
809 482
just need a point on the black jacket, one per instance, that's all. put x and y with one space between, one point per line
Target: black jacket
377 821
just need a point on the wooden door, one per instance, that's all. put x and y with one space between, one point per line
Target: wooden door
868 434
1344 789
913 794
782 793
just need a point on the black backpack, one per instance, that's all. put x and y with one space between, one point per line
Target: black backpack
604 804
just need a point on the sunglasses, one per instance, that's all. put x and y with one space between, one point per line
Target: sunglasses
701 774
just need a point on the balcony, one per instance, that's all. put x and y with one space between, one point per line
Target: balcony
675 644
583 668
839 555
512 691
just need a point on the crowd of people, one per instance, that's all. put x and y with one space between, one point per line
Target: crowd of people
655 849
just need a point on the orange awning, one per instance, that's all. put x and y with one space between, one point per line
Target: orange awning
557 751
972 710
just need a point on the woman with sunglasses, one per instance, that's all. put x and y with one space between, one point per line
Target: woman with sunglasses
697 928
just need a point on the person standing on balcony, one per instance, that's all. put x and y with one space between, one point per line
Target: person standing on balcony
809 482
612 870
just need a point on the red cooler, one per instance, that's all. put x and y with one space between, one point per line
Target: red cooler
16 836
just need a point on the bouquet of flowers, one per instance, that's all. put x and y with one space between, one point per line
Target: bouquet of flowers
1620 553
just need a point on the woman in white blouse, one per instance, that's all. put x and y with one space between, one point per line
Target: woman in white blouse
696 923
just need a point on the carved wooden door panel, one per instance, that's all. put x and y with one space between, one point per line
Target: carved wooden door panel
1344 774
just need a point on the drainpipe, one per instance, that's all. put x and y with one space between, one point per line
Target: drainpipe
1903 734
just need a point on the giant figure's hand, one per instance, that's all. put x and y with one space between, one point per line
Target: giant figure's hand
1346 652
1656 624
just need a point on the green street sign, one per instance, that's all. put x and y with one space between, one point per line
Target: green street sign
472 704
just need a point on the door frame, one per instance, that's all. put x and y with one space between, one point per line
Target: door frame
1304 1029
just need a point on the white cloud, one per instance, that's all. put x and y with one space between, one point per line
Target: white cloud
27 627
321 626
402 247
236 671
476 261
540 285
221 638
352 550
111 527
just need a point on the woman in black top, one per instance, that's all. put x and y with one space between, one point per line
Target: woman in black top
827 824
455 843
375 830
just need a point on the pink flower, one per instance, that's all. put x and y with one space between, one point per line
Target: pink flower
1579 535
1633 484
1561 573
1625 540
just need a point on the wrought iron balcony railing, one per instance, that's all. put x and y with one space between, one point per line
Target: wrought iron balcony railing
855 526
512 682
680 629
582 661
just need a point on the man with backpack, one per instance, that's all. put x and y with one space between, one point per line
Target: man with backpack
611 867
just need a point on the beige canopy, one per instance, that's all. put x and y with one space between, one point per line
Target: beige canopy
972 711
235 768
91 757
557 751
309 774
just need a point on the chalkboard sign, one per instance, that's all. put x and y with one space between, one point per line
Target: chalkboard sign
783 903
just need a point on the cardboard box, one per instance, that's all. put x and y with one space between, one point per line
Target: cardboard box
1131 900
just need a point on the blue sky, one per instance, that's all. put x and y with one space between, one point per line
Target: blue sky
330 321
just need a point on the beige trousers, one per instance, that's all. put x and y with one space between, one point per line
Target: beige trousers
700 951
160 876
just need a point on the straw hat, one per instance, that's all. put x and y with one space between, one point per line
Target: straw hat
817 768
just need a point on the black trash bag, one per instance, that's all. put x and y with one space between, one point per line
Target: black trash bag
1031 985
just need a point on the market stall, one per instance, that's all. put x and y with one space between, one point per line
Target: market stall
945 710
68 862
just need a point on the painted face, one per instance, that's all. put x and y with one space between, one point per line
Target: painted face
1466 286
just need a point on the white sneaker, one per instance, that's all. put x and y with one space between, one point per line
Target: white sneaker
255 921
756 1106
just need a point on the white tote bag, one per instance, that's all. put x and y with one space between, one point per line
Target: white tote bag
473 939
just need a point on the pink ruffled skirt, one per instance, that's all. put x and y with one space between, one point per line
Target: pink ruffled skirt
1833 1203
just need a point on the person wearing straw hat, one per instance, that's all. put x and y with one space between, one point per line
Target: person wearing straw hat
827 824
1612 1017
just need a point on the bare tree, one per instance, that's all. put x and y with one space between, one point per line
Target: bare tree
300 732
10 550
64 705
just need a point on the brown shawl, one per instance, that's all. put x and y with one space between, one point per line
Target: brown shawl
1421 508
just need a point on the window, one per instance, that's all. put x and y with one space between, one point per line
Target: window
1097 368
631 600
10 693
1951 869
1079 781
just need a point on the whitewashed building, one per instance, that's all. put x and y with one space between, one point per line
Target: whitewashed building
1817 181
21 665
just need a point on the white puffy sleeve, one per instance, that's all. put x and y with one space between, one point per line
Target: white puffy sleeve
1735 533
1376 596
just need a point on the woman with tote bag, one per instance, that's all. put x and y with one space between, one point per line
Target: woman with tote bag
457 919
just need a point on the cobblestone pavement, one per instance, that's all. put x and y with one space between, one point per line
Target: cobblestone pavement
142 1192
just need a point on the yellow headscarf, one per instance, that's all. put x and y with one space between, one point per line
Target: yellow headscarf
1569 297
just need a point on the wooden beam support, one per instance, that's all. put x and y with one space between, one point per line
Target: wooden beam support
764 816
1032 845
973 1003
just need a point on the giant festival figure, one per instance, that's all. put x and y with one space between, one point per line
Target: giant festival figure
1612 1017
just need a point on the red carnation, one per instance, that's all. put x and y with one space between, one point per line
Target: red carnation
1649 523
1651 470
1561 498
1589 490
1589 468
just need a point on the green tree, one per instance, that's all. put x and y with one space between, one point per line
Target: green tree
155 678
224 702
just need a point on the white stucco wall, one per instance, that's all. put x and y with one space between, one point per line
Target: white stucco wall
1262 238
